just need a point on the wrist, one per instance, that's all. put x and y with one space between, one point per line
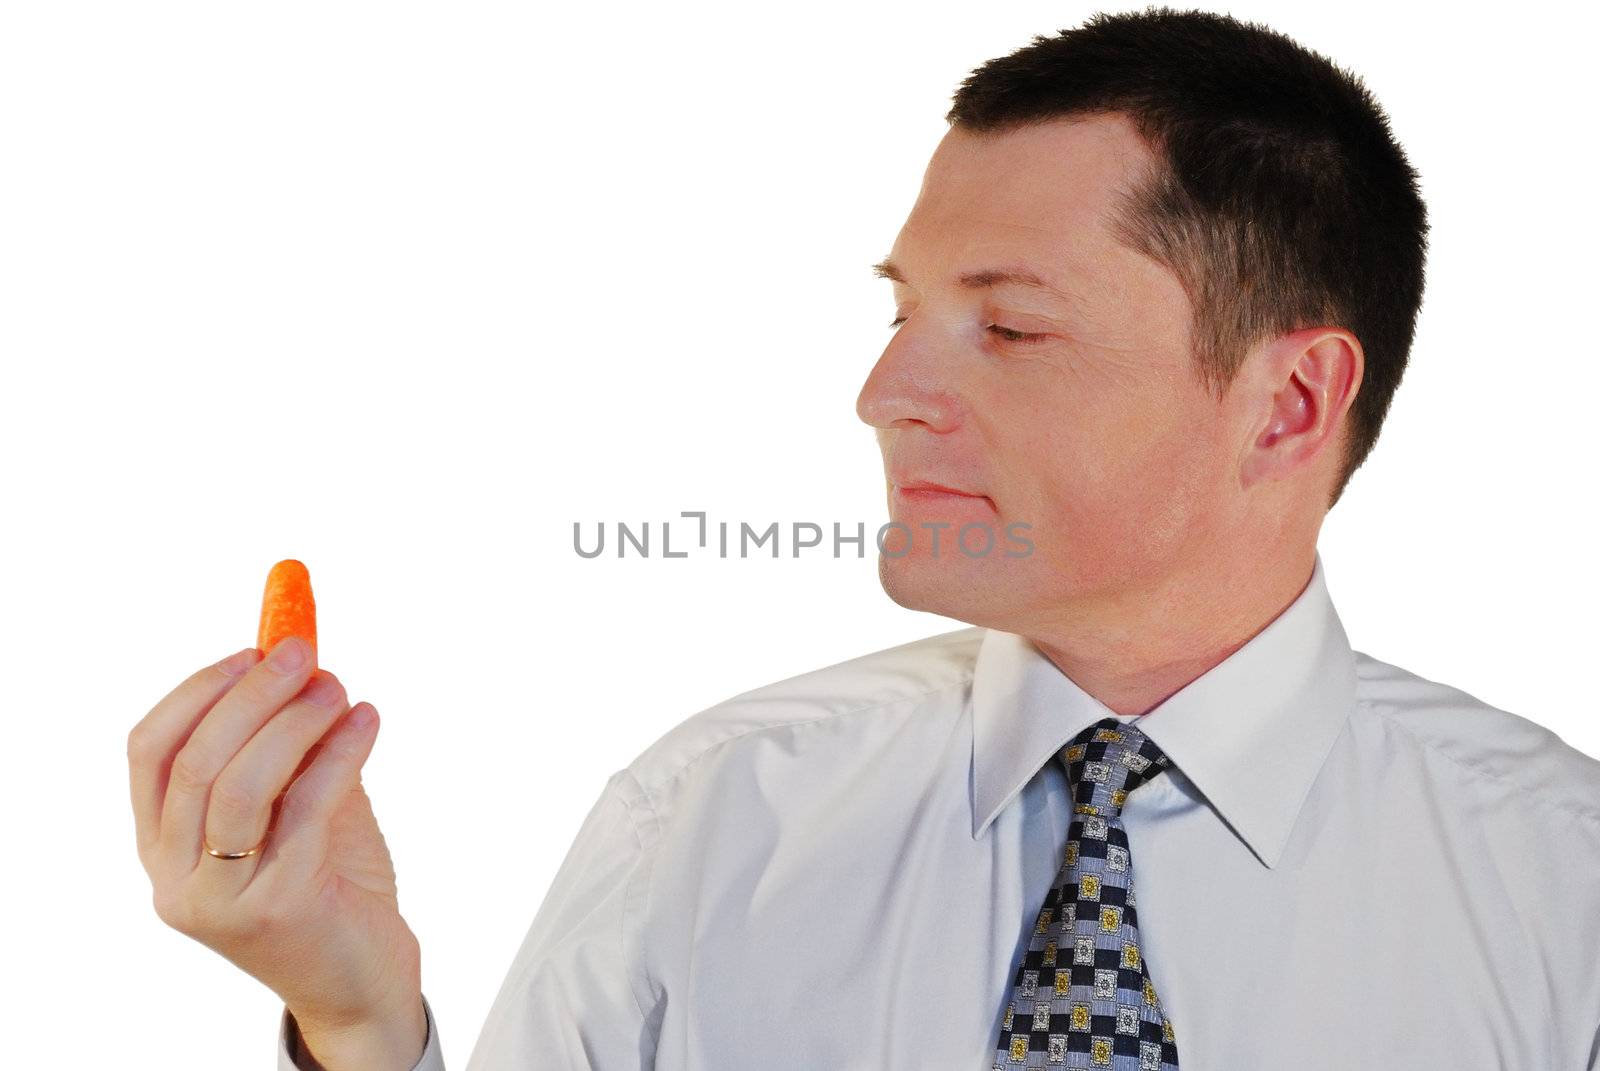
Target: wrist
393 1042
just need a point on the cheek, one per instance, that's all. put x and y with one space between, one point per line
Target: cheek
1121 489
1111 462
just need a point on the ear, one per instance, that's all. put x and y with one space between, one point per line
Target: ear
1312 376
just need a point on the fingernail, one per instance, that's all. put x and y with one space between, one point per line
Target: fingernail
362 716
236 664
289 655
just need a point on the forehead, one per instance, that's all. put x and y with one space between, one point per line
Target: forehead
1039 193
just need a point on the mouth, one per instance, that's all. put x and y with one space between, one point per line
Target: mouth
922 491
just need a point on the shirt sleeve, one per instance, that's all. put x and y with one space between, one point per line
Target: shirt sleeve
291 1059
577 995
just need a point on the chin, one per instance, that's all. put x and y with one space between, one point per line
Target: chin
964 589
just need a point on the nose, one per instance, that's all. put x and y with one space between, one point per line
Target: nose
909 384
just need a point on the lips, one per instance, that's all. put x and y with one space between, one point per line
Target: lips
934 488
908 489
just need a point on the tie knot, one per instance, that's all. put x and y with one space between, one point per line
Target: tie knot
1107 761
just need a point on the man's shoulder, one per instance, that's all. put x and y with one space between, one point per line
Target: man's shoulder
1482 739
876 680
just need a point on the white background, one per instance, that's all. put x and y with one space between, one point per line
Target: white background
403 291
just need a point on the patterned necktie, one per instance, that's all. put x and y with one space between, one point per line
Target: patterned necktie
1082 997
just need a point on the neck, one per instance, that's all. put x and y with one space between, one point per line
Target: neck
1134 650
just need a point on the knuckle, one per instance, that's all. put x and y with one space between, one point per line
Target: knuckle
171 908
191 771
304 722
214 920
295 807
216 923
251 695
146 849
232 799
139 745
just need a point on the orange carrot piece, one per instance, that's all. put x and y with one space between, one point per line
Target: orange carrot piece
287 608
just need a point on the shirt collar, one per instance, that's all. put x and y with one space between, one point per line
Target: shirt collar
1251 733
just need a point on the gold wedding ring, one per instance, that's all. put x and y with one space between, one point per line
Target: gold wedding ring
234 855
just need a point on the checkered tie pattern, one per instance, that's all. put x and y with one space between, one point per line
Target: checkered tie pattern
1082 997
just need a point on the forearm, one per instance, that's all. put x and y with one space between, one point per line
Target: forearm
395 1043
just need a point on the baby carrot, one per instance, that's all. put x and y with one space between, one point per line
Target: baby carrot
287 608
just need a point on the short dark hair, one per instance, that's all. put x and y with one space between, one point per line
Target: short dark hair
1282 201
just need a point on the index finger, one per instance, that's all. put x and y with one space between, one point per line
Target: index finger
154 741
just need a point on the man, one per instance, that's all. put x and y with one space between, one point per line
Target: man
1150 810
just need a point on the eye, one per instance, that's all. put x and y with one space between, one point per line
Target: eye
1022 338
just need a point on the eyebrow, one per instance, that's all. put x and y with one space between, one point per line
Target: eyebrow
973 280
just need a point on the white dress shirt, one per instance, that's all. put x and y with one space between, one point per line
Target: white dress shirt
1347 866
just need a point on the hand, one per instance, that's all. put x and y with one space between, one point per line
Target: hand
313 914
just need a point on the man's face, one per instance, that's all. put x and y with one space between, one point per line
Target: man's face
1090 426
